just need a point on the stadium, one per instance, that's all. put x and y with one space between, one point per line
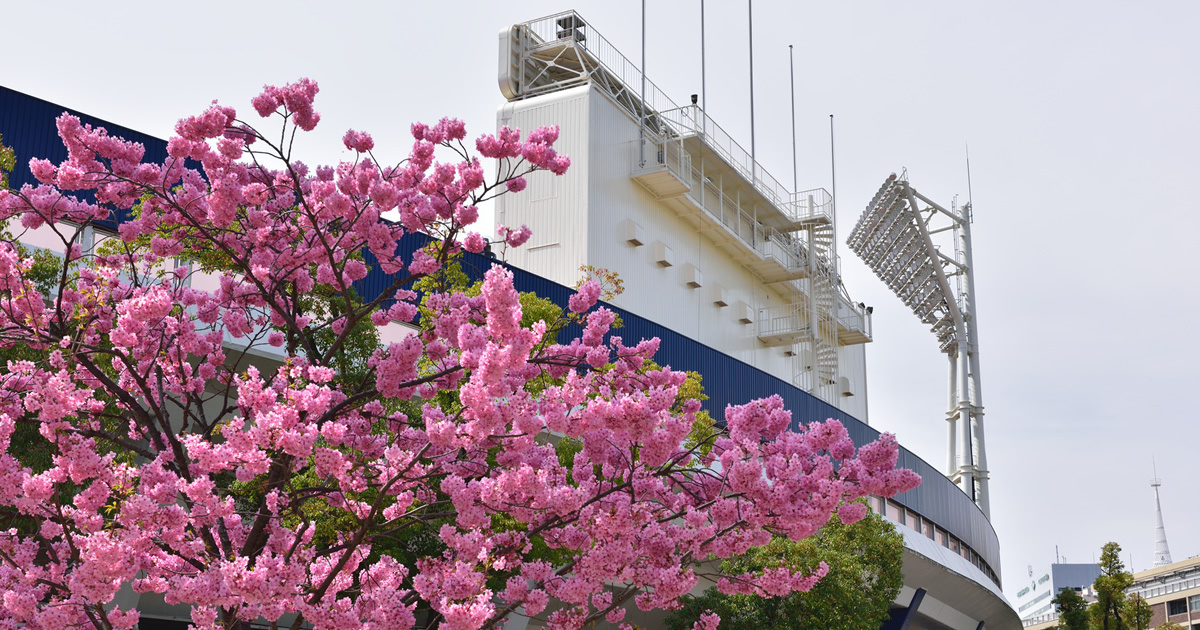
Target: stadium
735 272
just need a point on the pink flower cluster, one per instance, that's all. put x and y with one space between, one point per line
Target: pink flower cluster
186 463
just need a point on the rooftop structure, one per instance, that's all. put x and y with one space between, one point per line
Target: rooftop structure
781 242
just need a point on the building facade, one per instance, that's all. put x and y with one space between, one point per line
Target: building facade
1033 600
741 270
1172 592
736 274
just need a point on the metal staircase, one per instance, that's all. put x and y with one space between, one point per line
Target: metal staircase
821 368
688 162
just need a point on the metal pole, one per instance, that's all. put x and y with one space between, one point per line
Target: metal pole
792 69
703 73
833 210
971 348
952 420
972 326
753 155
642 117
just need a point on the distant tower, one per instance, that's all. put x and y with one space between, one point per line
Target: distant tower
1162 555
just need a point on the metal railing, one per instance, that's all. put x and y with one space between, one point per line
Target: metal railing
854 318
781 320
669 153
1040 619
768 242
666 118
690 121
568 27
793 318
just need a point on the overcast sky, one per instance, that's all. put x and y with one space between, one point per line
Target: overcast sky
1083 120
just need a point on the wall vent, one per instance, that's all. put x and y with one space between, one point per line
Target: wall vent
663 254
720 296
633 233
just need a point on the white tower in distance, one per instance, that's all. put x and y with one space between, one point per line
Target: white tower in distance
1162 554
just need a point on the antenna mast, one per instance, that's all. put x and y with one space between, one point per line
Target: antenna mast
792 70
1162 554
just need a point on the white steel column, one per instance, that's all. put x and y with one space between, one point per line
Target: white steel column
952 419
972 350
966 454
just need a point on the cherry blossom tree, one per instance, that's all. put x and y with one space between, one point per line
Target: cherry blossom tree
186 461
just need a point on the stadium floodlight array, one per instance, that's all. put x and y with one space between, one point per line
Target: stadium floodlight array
895 238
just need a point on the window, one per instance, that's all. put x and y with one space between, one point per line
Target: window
943 538
954 545
1194 603
1177 607
929 529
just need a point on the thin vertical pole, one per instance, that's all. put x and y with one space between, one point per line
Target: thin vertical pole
750 4
833 218
792 68
980 466
642 118
703 74
952 420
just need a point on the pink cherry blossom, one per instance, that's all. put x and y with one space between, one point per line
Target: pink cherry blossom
187 463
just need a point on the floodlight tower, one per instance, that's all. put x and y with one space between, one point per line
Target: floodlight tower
895 237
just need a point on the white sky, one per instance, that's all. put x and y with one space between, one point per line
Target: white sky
1083 120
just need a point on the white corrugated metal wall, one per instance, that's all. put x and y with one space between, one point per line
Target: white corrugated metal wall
579 218
555 207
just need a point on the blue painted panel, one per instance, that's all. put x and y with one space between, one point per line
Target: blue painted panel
28 126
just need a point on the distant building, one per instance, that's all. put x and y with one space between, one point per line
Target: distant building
1033 600
1173 591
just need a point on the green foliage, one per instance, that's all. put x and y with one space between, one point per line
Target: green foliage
1072 610
29 446
1137 612
536 309
1109 611
864 578
704 429
8 161
610 281
350 361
